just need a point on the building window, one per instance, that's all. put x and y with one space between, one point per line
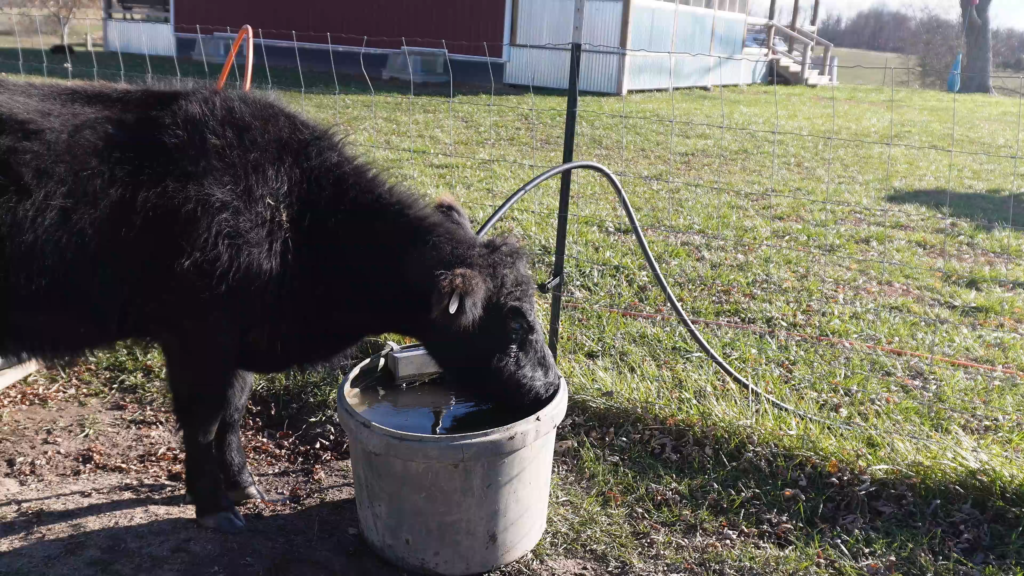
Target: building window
143 10
738 6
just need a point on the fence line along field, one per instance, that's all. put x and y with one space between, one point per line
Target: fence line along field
855 250
868 67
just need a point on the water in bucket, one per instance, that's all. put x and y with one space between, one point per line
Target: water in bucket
428 407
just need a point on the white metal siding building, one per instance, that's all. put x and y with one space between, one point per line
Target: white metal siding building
139 27
628 45
138 37
633 45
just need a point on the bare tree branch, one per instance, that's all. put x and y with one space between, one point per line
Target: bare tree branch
62 12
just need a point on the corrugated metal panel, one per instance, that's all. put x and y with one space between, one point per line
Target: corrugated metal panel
544 30
599 72
546 26
544 22
602 25
731 71
539 67
651 71
133 37
651 39
651 26
547 68
726 71
465 25
693 30
730 33
647 71
693 62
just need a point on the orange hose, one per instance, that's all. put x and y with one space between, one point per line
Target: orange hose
886 349
245 32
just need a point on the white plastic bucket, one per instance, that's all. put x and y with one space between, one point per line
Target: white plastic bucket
450 504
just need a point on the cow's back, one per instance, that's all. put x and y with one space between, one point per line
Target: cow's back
123 209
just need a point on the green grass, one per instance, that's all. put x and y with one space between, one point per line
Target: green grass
790 241
869 68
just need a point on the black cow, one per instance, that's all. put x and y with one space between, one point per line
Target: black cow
241 238
62 50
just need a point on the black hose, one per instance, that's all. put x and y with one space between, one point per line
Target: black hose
638 233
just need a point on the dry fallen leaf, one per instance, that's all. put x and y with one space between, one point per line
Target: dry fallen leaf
792 494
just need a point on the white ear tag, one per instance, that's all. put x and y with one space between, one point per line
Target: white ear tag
454 304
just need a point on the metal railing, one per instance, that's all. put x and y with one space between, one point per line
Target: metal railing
803 43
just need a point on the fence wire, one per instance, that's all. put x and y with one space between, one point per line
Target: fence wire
850 248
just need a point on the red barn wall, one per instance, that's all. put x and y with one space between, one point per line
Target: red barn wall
465 25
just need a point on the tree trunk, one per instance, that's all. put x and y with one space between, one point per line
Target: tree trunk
976 75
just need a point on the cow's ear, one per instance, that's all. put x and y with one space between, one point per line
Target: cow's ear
448 207
459 297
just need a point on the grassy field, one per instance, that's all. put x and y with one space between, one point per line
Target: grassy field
836 251
869 68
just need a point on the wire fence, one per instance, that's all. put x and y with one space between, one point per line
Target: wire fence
850 248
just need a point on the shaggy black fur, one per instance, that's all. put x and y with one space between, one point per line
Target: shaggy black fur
242 239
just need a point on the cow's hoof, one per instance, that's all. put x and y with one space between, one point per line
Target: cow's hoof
237 496
228 521
248 493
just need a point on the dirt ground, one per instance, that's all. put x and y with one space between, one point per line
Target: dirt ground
94 486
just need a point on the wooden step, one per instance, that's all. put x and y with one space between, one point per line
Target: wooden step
818 80
793 72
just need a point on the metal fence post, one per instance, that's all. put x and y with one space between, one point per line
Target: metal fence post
557 281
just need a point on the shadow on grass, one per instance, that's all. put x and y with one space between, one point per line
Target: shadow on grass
988 210
732 488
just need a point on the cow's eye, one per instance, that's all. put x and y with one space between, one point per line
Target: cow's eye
517 322
517 327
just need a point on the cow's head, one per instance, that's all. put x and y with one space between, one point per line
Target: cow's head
484 330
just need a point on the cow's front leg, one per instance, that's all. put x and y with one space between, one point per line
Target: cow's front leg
238 481
201 374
